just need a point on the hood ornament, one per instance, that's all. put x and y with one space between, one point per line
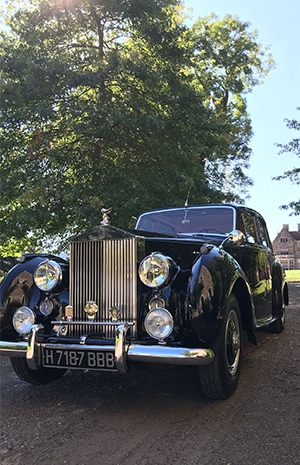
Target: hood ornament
105 211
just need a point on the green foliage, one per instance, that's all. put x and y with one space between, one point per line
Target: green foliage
106 102
229 61
294 174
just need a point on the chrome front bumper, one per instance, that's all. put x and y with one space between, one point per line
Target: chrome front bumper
160 353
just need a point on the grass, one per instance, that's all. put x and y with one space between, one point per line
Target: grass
292 275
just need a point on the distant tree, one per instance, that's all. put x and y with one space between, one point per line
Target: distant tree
294 174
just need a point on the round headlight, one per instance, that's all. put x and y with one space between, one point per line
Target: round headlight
154 270
47 275
23 319
159 323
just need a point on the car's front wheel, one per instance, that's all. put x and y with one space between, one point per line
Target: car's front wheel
40 376
220 378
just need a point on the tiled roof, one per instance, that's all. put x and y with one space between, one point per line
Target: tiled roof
295 235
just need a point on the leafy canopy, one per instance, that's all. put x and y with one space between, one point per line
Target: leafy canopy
115 103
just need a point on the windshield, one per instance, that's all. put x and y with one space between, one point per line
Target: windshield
188 221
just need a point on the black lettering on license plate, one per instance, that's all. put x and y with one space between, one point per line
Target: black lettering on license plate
82 359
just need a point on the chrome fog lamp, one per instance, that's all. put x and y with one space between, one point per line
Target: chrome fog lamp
23 319
159 323
47 275
154 270
157 301
46 307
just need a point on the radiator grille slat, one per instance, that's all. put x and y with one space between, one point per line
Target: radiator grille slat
104 272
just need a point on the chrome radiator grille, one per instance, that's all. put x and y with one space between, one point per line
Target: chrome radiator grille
104 272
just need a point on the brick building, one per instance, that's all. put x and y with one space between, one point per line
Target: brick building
286 247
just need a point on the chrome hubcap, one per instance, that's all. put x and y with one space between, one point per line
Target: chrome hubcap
232 343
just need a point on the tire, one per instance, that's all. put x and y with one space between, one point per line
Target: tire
37 377
278 325
220 378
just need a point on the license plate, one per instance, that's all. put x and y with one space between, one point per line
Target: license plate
78 359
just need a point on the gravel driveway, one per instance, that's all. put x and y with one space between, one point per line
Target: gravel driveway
161 417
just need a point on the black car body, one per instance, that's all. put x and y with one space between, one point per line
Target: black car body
179 289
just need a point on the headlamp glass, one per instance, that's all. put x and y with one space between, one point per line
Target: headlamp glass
159 323
154 270
23 319
47 275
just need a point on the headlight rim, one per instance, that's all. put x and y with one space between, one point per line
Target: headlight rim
167 262
58 274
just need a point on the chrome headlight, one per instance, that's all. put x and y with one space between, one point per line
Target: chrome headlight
47 275
23 319
159 323
157 301
46 307
154 270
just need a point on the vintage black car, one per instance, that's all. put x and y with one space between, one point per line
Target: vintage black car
177 290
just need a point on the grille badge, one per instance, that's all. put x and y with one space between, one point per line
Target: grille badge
91 309
114 314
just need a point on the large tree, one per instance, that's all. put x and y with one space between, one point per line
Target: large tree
104 102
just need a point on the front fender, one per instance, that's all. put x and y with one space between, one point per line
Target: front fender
213 278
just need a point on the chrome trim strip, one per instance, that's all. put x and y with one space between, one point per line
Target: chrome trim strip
91 323
96 348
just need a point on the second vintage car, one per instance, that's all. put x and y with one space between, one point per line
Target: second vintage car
179 289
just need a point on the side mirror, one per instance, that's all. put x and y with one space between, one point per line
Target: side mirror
236 237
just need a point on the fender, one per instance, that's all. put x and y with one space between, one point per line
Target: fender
18 289
215 275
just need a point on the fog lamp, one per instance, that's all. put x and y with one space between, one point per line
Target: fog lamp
157 301
23 320
159 323
46 307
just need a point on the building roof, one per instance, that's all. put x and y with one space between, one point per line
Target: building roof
295 235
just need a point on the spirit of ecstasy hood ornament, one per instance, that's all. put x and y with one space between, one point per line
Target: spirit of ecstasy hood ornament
105 212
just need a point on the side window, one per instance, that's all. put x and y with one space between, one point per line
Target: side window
262 232
249 225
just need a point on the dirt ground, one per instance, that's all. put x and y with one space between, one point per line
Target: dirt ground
161 417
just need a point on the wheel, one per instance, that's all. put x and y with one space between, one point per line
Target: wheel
278 325
40 376
220 378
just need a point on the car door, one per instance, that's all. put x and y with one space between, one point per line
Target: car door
256 261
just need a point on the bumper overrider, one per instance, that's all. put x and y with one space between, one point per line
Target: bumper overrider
33 350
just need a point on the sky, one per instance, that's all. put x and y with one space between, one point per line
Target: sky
277 23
